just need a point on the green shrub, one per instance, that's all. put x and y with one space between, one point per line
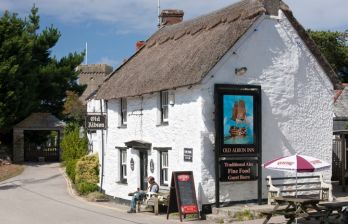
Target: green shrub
85 188
87 174
73 146
70 169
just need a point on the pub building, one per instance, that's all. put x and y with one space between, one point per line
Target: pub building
217 95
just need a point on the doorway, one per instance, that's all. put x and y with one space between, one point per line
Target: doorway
143 170
41 144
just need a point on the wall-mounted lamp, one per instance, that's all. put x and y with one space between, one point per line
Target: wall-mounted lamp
171 98
240 71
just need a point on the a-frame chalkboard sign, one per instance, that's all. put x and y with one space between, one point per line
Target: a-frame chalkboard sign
182 196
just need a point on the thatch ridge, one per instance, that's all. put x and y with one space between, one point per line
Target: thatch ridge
41 120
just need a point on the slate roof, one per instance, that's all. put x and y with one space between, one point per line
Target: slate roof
183 54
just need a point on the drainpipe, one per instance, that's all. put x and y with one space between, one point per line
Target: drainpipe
102 152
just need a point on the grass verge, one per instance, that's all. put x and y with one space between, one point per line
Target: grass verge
8 171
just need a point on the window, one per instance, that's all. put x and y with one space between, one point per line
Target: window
164 168
123 112
164 106
123 162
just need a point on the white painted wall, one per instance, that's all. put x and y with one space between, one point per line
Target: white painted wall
183 131
296 100
296 114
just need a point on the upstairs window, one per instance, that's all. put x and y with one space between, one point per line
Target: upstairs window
164 106
123 112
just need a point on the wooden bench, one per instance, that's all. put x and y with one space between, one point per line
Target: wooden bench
306 185
154 200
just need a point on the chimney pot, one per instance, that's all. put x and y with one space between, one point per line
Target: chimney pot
171 16
272 7
139 44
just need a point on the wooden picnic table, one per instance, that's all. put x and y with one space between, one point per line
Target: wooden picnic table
296 207
329 208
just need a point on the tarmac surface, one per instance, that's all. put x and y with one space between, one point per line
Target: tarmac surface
42 194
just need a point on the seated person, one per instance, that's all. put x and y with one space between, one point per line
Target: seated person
139 195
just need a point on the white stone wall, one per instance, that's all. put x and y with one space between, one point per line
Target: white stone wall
296 100
182 131
296 114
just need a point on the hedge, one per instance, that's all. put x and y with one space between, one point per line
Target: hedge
87 174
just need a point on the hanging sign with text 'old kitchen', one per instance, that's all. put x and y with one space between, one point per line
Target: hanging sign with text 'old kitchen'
238 170
95 122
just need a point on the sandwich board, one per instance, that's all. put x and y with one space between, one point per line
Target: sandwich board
182 196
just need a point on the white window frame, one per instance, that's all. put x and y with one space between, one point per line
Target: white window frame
164 168
164 106
123 165
123 111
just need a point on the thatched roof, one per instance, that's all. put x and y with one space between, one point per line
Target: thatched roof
184 53
41 121
92 75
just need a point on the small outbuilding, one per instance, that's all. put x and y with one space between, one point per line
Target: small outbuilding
37 138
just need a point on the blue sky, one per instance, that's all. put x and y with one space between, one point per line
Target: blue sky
111 27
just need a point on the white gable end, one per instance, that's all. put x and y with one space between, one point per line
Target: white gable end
296 99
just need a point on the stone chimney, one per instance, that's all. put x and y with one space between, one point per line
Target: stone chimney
139 44
272 7
171 16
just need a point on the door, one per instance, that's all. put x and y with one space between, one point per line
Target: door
143 170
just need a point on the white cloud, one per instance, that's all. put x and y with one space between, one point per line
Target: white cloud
137 15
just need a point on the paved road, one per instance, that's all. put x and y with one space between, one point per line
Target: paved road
40 195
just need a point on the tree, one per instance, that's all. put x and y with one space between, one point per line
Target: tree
30 79
74 108
334 46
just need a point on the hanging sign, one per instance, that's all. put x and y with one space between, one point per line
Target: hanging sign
182 197
238 120
95 122
238 135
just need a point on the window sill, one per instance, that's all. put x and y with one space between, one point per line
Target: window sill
164 185
162 124
122 127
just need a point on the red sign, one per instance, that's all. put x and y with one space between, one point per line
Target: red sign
183 177
188 209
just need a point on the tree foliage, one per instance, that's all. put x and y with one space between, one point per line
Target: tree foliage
30 79
74 108
334 46
74 146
